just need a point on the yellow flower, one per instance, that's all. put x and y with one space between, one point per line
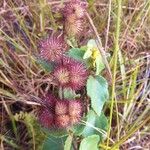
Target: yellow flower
93 53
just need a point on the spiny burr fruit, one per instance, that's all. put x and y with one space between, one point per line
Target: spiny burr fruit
66 60
72 26
66 113
75 108
79 75
49 100
75 111
75 119
72 74
74 12
61 107
76 7
52 48
62 121
46 118
62 75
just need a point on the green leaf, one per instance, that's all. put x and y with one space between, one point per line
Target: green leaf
95 125
78 129
90 46
47 66
83 48
90 143
76 53
97 90
90 124
52 143
55 133
70 94
99 64
102 123
68 143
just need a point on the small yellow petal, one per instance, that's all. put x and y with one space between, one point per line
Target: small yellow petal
94 63
95 53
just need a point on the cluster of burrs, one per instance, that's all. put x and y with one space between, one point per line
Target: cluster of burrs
67 73
74 14
60 113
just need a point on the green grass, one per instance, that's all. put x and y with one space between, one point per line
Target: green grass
115 56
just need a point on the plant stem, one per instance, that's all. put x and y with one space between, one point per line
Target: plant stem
61 95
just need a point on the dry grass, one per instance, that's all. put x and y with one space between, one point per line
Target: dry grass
125 35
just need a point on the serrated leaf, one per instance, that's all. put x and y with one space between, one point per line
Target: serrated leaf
52 143
95 125
76 53
68 143
90 143
97 90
